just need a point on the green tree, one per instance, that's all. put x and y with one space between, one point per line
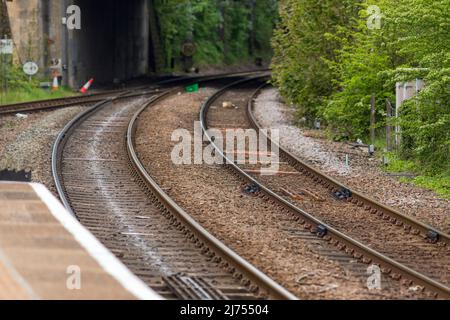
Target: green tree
302 47
224 31
328 62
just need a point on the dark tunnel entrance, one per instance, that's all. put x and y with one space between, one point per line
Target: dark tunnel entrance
114 42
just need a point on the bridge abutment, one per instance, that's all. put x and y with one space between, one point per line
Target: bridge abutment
117 39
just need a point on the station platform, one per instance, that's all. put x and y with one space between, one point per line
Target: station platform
46 254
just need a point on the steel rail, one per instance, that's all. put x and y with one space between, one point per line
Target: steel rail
48 104
353 247
217 250
257 277
409 223
92 98
61 140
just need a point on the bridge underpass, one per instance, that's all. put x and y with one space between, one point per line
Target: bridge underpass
114 42
118 39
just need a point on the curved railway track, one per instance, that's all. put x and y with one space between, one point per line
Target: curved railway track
404 248
102 182
395 217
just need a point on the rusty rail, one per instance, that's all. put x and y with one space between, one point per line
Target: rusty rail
401 220
217 250
266 284
353 247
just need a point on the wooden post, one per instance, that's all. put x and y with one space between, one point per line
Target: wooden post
372 119
388 125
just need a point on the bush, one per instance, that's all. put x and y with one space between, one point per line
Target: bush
303 45
16 78
21 89
328 63
425 122
225 31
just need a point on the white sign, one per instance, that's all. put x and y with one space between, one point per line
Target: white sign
30 68
6 46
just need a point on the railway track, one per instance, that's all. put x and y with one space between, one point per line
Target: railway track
370 232
80 100
91 99
102 182
87 100
395 217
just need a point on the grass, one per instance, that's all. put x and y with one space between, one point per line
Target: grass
439 183
18 96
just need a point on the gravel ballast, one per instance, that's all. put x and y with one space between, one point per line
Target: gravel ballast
26 143
364 173
255 229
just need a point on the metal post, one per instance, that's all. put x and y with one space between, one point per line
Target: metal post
399 100
4 71
64 47
388 125
372 118
3 77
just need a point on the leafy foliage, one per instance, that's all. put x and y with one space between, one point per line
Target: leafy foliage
329 63
21 89
225 31
14 77
303 44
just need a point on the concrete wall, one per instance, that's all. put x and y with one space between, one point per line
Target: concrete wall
26 28
113 42
116 39
5 29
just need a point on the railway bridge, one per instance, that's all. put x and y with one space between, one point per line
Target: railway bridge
115 40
